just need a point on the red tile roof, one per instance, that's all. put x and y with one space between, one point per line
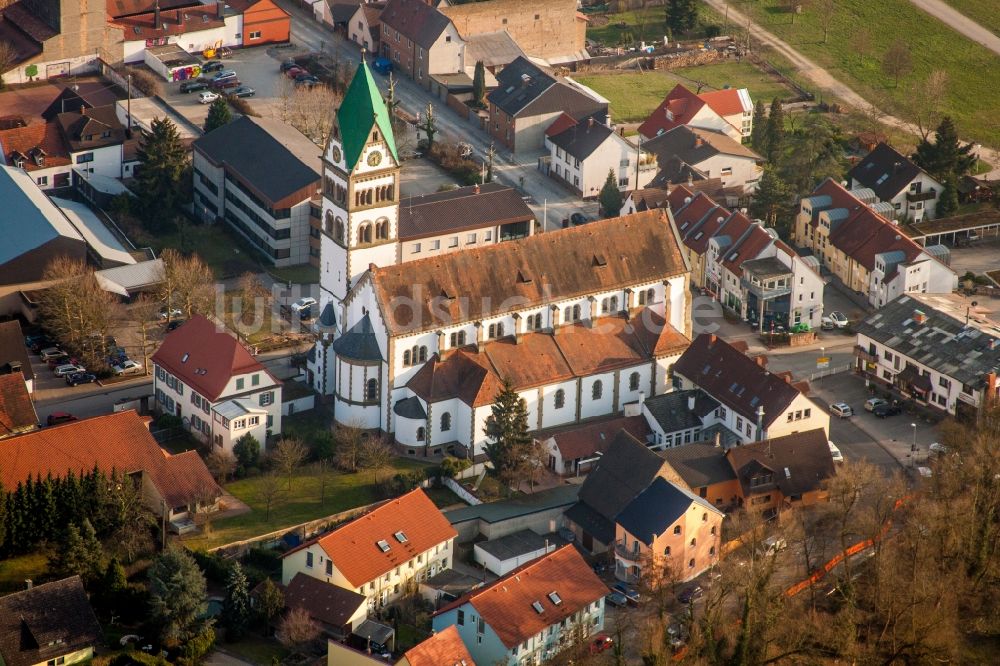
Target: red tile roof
17 413
42 135
444 648
682 105
354 547
506 605
562 123
723 102
205 357
116 441
172 22
585 440
753 244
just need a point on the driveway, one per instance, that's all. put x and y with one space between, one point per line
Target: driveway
980 257
960 23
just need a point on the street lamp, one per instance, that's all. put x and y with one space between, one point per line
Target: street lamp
968 310
913 446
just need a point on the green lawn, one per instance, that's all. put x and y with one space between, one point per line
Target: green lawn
298 505
645 24
860 33
225 255
254 649
634 95
15 570
983 12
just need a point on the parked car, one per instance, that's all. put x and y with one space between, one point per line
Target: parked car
577 219
872 403
886 410
51 352
224 74
690 594
600 643
127 367
616 599
174 312
244 91
382 65
207 97
193 85
938 449
81 378
841 409
287 65
69 369
293 72
839 319
55 418
63 359
630 593
213 66
38 342
835 453
925 472
302 304
827 324
774 544
226 84
174 324
307 81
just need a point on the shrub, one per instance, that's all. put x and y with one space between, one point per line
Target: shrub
168 421
242 106
713 30
142 80
451 466
192 651
137 658
214 566
263 558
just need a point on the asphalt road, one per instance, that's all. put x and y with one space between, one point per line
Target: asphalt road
550 201
960 23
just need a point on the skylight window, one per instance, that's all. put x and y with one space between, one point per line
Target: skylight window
184 359
383 545
401 537
538 607
555 598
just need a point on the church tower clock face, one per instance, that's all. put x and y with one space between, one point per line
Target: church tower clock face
335 154
374 158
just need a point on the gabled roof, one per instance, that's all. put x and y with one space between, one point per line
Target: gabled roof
799 463
492 48
519 84
584 440
885 171
46 622
81 94
473 207
444 648
694 145
416 19
625 470
30 219
359 343
362 108
735 379
677 108
205 357
24 141
326 603
657 508
407 526
582 139
12 348
271 156
179 22
118 441
699 464
120 8
728 102
507 605
78 125
477 283
17 413
672 413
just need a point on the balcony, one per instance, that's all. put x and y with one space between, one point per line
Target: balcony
864 354
627 554
927 195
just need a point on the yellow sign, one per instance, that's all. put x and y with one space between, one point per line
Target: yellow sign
823 362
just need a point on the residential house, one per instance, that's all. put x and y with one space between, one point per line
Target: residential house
206 377
770 477
420 40
745 265
937 350
551 32
541 511
261 176
754 404
624 507
381 554
680 417
574 449
336 13
504 554
527 100
495 50
581 154
530 614
337 610
364 28
97 141
896 180
729 112
711 154
40 151
79 95
444 647
868 253
17 412
14 354
48 624
172 485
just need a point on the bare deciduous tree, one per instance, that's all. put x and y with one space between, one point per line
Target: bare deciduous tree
8 56
288 456
348 450
77 309
897 61
269 492
297 630
375 454
143 314
322 468
309 110
827 11
222 464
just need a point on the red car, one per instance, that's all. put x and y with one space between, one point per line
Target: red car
293 72
600 643
55 418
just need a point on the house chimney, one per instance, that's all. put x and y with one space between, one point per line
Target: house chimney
220 8
712 338
698 142
761 435
761 360
480 342
691 402
717 439
919 316
28 584
590 123
592 320
554 314
156 16
518 328
442 352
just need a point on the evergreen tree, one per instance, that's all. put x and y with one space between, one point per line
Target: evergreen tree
610 196
113 588
479 84
270 601
681 15
236 609
218 114
247 451
758 135
775 132
507 430
162 162
177 597
18 523
948 202
48 512
80 553
771 198
3 518
945 156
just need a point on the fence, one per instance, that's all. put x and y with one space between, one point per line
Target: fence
466 496
830 371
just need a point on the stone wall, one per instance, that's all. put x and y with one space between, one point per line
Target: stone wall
545 29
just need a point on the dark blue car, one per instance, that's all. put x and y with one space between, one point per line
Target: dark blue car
382 65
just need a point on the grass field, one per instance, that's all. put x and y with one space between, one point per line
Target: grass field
860 33
298 505
984 12
634 95
646 24
15 570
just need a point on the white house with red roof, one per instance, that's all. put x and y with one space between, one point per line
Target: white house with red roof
207 378
381 554
530 614
728 111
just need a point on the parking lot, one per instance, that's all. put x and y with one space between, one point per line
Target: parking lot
980 257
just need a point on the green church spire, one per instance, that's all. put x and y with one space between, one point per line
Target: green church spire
361 104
